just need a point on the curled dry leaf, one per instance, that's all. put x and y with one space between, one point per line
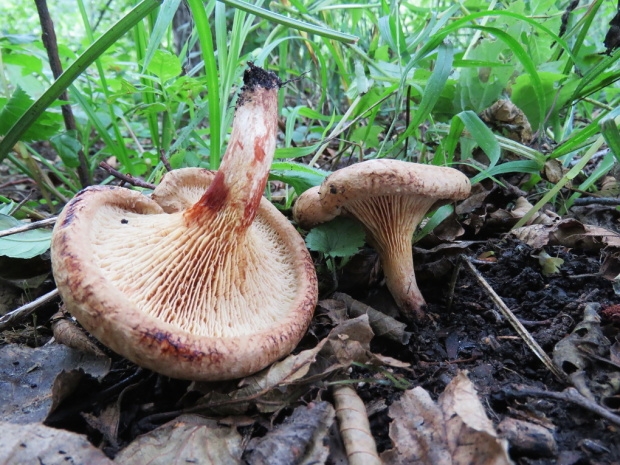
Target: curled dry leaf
299 440
71 335
454 430
528 438
187 439
280 384
354 427
381 324
36 443
510 119
569 233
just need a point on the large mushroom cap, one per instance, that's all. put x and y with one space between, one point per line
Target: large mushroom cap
390 198
206 280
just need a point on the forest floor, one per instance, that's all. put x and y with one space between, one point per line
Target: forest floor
556 277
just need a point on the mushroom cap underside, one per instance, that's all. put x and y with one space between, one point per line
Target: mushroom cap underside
182 301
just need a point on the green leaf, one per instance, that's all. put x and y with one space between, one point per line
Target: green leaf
164 65
295 152
517 166
301 177
482 135
27 244
67 145
13 109
610 132
341 237
164 19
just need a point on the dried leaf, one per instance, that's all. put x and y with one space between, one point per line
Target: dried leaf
527 438
506 116
299 440
568 233
50 372
455 430
36 443
66 332
187 439
354 427
567 354
382 325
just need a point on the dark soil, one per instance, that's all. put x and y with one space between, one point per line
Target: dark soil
471 335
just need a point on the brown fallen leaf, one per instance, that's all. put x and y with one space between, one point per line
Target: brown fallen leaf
37 443
382 325
454 430
187 439
301 438
68 333
568 233
510 119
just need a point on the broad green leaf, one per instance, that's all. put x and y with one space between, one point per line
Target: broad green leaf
12 110
67 145
341 237
301 177
27 244
29 64
164 19
164 65
367 136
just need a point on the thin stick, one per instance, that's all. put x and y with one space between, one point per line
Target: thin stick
29 226
24 311
516 324
569 395
126 177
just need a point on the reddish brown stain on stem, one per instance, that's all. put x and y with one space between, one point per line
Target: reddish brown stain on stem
259 152
213 199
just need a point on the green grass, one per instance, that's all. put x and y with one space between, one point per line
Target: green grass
369 79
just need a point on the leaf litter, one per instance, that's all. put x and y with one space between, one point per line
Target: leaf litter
464 389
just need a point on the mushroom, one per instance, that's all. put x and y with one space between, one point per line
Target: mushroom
390 198
204 280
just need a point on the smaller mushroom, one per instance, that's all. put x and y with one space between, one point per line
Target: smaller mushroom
390 198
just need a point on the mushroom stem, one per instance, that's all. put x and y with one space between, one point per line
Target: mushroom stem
400 280
240 181
390 221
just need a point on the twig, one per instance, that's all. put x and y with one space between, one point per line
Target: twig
48 36
165 161
569 395
29 226
25 310
516 324
608 201
126 177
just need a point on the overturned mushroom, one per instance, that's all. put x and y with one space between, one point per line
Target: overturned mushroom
390 198
205 280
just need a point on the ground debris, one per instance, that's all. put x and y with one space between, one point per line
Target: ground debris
454 430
